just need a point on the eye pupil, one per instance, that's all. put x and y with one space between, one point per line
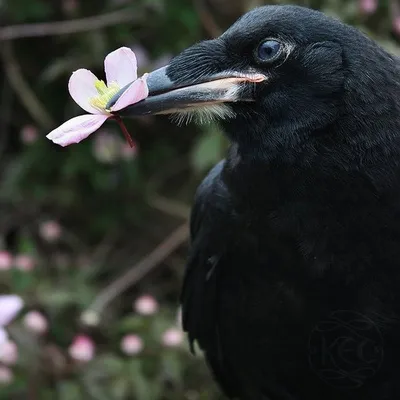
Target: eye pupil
268 50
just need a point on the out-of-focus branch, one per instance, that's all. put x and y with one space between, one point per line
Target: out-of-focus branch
168 206
137 272
65 27
22 88
207 19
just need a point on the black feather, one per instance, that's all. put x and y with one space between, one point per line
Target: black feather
301 223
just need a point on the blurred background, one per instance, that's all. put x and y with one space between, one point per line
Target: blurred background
93 237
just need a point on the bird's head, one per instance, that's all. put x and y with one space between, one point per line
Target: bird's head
277 78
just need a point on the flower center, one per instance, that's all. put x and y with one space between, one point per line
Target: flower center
105 94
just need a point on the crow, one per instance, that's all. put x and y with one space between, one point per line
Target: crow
292 285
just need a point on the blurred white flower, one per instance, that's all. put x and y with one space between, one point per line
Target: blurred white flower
82 348
6 261
6 375
146 305
50 230
10 305
29 134
8 352
24 262
172 337
90 318
36 322
131 344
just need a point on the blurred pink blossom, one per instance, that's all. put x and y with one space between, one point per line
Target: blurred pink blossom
10 305
131 344
368 6
172 337
6 261
6 375
146 305
69 6
50 230
36 322
128 152
396 24
82 348
29 134
8 352
93 95
24 262
106 147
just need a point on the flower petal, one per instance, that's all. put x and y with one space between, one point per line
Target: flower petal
81 88
10 305
135 92
121 66
76 129
3 336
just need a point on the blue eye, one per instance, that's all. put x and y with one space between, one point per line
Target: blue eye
269 50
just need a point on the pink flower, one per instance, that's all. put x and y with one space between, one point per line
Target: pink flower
128 152
29 134
24 262
146 305
93 96
50 231
70 6
396 24
106 147
368 6
131 344
10 305
172 337
36 322
5 261
6 375
8 352
82 348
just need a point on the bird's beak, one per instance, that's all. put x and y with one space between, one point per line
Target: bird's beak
166 96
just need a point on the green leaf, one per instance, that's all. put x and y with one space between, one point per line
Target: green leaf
173 365
141 387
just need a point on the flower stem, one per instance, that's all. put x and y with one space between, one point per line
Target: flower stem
125 131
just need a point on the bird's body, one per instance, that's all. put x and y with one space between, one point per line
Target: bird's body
259 284
292 287
283 239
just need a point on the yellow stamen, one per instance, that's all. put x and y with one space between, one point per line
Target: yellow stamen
101 87
105 94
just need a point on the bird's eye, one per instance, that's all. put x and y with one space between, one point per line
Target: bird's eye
269 50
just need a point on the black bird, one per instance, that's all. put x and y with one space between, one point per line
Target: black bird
292 287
